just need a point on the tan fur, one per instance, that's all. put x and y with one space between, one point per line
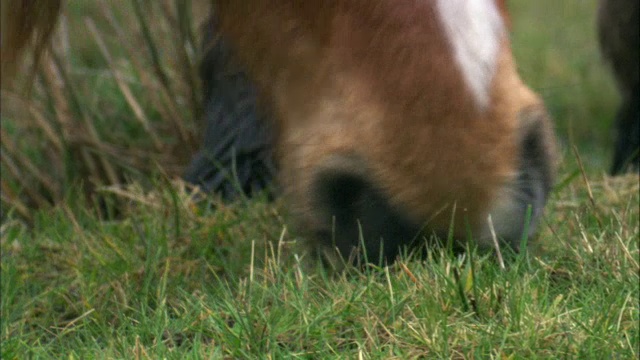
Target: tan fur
375 80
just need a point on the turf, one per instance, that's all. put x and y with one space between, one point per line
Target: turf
181 279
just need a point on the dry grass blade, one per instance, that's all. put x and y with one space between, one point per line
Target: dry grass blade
410 274
33 193
124 88
495 242
168 95
10 197
37 116
74 127
164 98
58 81
627 253
146 33
587 184
48 130
146 78
27 164
186 50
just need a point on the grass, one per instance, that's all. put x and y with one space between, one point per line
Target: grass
178 276
557 52
180 279
107 106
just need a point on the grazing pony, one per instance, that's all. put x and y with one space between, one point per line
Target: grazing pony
395 119
619 35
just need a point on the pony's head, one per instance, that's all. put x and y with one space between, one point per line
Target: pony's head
397 119
394 119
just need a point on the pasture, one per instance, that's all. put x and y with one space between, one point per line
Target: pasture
149 270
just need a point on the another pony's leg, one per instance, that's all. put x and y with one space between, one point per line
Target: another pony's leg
619 36
627 150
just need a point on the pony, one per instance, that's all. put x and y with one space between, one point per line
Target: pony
396 118
619 39
236 158
390 120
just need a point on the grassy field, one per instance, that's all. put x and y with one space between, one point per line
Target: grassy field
178 276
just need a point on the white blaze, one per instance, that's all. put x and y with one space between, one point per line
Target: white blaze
474 29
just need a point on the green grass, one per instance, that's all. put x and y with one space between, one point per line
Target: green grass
180 277
556 48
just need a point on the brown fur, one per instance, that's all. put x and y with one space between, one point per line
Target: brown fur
504 11
25 23
371 82
375 80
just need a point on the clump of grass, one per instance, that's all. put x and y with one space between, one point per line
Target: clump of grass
184 277
115 99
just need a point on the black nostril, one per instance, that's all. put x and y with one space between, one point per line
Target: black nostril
343 193
356 216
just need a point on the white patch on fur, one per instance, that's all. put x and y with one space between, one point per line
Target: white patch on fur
474 29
